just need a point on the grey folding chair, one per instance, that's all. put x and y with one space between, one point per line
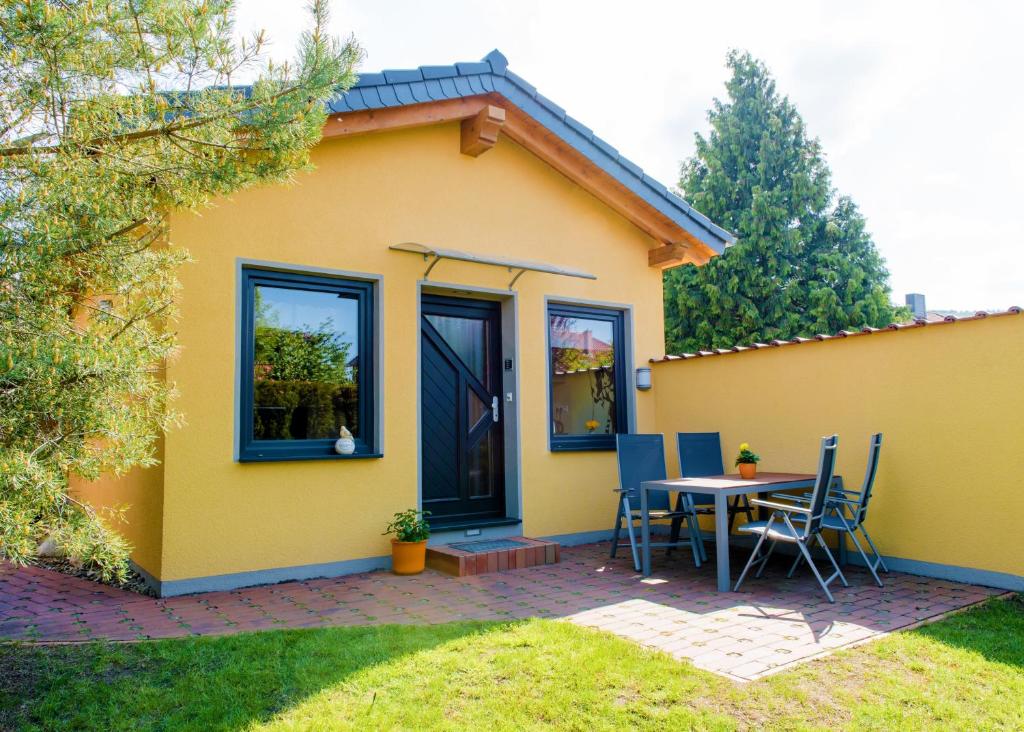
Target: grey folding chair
700 455
798 524
846 512
642 458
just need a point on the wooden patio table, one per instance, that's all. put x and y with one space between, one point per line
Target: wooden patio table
721 487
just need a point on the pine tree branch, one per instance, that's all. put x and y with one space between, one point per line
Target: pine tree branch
98 142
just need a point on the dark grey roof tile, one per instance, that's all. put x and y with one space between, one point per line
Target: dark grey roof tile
605 147
371 98
656 185
371 80
497 61
433 87
403 94
355 99
339 104
419 91
449 88
631 167
475 67
522 83
400 76
438 72
388 97
579 127
550 106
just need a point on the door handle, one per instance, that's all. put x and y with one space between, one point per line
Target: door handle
494 408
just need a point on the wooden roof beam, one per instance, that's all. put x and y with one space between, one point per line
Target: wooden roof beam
674 254
480 132
398 118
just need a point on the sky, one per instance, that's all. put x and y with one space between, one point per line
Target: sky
918 106
309 311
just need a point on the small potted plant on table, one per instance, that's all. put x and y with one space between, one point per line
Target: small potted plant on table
747 462
409 545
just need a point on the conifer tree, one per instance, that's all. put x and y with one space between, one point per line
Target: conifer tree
804 262
113 115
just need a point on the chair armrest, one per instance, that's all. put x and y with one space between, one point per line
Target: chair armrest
832 492
854 494
791 497
788 508
844 501
806 498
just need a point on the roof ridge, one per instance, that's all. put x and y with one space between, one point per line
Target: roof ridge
866 330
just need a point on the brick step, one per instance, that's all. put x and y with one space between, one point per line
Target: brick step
491 555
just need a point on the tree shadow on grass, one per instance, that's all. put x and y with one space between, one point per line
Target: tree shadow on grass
223 683
994 630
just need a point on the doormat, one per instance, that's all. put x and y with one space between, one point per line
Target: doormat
488 545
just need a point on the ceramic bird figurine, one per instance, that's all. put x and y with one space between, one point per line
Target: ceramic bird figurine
345 445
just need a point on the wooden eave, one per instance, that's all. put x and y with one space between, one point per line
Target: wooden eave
486 116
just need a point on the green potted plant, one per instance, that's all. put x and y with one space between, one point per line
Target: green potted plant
409 544
747 462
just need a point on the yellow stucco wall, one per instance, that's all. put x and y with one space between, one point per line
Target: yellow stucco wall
366 193
140 492
949 399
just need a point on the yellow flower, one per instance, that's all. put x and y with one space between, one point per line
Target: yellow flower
592 424
744 446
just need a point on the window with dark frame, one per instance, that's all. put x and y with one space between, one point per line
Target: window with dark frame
588 377
307 366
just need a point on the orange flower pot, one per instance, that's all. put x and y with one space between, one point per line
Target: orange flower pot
748 470
408 557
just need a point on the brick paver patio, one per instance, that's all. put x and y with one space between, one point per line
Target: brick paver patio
771 625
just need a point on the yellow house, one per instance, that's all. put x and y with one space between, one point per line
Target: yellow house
466 283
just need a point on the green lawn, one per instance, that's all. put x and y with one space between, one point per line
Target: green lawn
966 672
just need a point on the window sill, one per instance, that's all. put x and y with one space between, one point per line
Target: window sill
581 448
582 443
294 458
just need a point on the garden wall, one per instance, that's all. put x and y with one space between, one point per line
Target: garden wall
949 398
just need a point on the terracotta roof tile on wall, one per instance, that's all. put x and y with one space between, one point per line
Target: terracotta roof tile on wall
980 315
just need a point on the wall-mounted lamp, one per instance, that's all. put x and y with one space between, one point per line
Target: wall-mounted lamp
643 378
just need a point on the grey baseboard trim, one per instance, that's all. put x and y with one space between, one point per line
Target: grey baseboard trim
967 575
236 580
953 573
233 581
591 537
584 537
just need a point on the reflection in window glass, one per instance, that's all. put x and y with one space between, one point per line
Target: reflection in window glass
305 364
582 375
478 410
468 338
481 467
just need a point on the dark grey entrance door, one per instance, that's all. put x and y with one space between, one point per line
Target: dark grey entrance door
461 431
